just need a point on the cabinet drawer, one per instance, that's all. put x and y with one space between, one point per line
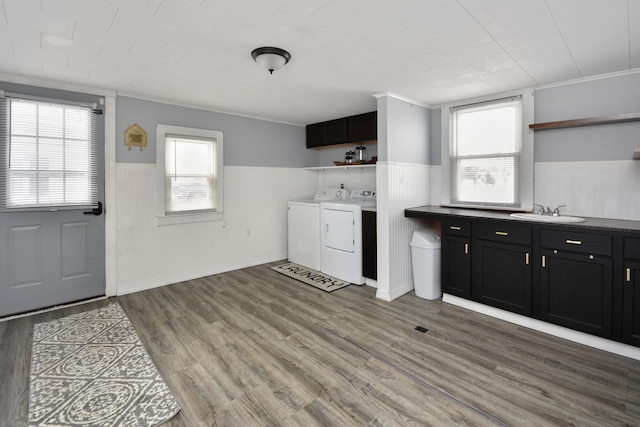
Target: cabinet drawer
631 248
571 241
454 227
506 233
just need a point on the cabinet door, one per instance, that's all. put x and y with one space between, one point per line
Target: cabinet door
504 276
456 266
369 245
316 135
631 313
577 291
337 132
363 127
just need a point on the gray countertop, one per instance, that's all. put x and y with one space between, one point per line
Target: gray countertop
434 212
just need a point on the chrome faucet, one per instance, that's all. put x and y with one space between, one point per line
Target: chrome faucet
548 211
543 210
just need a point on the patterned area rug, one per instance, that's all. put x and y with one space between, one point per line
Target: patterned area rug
91 369
311 277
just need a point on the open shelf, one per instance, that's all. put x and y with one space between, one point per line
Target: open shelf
590 121
340 167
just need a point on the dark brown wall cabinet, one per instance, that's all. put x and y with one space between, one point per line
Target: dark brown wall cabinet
347 130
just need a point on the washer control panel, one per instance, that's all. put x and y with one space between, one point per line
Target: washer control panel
363 195
330 194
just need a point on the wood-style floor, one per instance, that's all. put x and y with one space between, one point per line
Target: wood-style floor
253 347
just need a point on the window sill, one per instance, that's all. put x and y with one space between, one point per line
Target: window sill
189 218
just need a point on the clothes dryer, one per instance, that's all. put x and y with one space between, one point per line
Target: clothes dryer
341 236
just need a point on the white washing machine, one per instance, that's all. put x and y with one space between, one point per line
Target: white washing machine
341 236
304 227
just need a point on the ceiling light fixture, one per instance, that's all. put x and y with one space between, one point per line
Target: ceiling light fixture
271 58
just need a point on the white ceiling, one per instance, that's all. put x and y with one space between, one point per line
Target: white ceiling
197 52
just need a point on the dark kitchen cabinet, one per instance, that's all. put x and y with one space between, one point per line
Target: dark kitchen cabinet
584 277
346 130
503 266
337 131
369 245
577 281
456 258
363 127
327 133
631 291
316 135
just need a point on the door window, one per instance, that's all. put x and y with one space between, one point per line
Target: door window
49 155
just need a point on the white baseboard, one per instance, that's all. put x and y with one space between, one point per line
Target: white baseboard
396 293
547 328
157 282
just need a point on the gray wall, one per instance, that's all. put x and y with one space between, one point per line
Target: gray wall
602 97
435 146
247 142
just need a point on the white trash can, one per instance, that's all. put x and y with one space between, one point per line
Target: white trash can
425 258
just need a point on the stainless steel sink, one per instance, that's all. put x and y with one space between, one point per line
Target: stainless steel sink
546 218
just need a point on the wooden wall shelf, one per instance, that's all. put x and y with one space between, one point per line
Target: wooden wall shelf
590 121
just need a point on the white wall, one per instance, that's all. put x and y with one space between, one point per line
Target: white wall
403 180
353 178
254 230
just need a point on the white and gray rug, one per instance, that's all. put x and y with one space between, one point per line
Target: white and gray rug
90 369
311 277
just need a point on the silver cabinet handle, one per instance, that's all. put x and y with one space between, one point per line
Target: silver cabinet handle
573 242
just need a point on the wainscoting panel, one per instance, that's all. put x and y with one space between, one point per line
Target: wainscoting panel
607 189
599 189
400 185
254 229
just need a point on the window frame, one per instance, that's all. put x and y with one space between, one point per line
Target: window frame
526 178
163 217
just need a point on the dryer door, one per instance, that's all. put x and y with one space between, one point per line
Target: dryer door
338 229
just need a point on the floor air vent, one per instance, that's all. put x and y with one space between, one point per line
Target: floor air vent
421 329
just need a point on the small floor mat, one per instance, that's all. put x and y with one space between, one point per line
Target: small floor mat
311 277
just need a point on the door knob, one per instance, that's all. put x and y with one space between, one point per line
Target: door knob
95 211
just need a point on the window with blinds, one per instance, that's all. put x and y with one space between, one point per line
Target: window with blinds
485 153
190 174
49 155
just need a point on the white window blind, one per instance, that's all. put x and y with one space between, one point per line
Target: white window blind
49 155
485 153
190 174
